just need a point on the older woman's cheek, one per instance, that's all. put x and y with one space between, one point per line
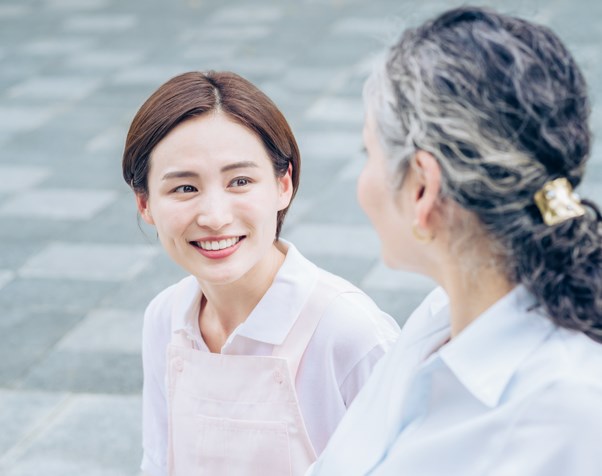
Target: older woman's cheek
366 195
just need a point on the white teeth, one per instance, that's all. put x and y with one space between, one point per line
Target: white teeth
218 245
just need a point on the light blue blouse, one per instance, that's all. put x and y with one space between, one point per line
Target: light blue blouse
511 395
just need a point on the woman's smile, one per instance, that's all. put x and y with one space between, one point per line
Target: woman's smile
218 248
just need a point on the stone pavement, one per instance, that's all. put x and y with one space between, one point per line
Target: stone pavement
76 269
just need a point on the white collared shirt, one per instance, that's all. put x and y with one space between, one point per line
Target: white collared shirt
511 395
352 336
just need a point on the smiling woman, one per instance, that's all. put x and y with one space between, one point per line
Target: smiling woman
212 191
251 361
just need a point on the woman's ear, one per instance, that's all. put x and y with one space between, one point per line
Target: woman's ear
428 177
285 188
143 208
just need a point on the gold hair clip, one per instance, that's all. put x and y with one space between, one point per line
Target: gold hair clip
557 202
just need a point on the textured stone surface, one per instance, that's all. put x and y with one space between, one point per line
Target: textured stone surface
77 270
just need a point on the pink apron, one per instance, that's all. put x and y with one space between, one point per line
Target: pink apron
238 414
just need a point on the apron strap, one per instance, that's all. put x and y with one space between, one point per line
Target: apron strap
327 288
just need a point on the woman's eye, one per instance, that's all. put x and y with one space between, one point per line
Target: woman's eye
240 182
185 189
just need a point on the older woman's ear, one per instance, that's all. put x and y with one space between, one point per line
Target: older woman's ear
427 187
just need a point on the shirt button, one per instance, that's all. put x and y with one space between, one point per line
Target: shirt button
278 378
178 365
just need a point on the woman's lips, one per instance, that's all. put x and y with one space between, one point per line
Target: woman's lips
218 248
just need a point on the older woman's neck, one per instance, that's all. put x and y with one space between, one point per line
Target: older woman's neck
472 291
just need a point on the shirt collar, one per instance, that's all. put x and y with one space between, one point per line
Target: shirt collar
486 354
185 310
277 311
275 314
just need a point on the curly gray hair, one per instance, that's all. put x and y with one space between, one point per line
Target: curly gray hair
503 107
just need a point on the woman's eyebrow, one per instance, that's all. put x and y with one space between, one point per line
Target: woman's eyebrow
180 174
192 174
239 165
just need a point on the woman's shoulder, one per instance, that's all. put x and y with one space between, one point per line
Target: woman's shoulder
160 309
576 359
567 397
352 313
563 376
352 335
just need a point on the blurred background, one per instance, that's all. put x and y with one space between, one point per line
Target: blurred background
76 267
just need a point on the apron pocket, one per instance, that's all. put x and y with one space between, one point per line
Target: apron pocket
227 447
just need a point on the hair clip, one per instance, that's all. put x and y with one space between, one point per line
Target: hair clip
557 202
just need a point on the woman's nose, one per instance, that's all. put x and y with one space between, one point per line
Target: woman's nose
214 210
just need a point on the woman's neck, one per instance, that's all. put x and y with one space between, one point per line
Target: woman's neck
471 292
226 306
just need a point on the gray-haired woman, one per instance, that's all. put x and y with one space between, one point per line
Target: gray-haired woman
477 133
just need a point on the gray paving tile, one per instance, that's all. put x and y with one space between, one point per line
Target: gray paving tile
93 372
100 23
57 204
343 51
379 27
328 144
58 45
36 231
337 110
296 213
22 412
25 118
151 74
337 205
341 241
117 102
353 269
117 223
308 79
234 33
6 276
13 11
102 60
105 330
18 177
135 294
593 172
88 261
207 58
255 66
53 87
111 139
592 190
97 170
318 175
26 342
245 14
380 277
75 5
83 122
351 169
82 439
23 299
61 143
